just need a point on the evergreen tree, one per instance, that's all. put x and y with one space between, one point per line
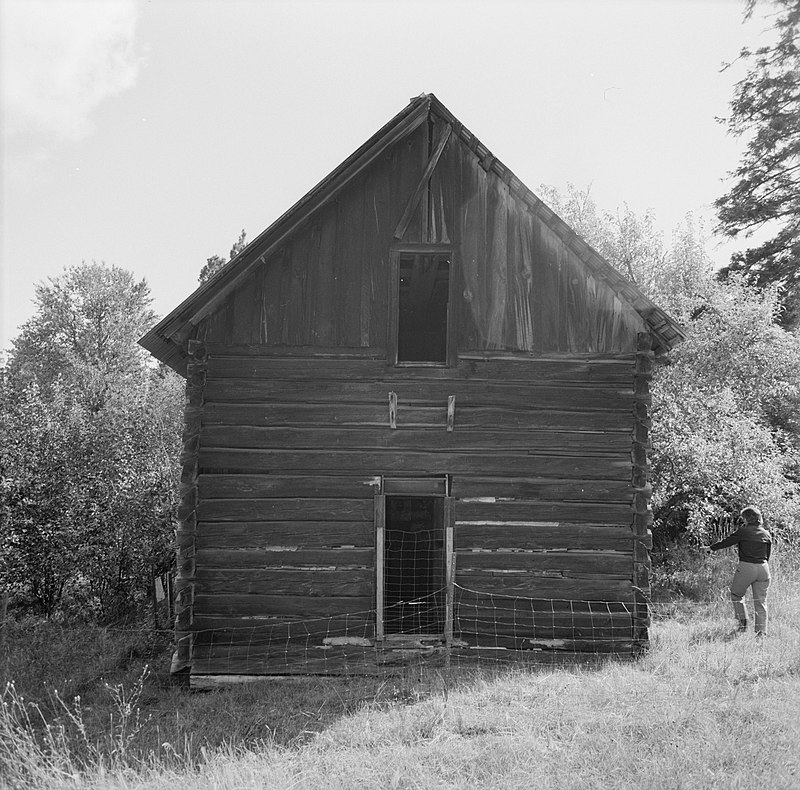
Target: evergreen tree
216 262
766 194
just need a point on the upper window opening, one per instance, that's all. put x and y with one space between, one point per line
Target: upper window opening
424 290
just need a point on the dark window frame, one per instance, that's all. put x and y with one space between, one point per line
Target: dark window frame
451 348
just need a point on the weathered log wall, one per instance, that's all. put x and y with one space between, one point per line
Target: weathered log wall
291 451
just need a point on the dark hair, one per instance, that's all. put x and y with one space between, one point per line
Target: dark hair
752 515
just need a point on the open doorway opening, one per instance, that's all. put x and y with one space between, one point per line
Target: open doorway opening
414 599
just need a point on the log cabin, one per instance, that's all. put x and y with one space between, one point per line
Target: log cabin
416 423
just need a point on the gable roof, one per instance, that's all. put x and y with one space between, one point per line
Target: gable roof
166 340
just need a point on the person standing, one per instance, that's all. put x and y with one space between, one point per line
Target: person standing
755 545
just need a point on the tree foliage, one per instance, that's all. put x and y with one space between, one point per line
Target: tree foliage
85 331
726 402
765 109
88 466
216 262
725 415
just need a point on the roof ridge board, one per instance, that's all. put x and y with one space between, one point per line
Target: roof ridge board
414 113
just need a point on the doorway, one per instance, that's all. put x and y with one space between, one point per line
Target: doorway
414 565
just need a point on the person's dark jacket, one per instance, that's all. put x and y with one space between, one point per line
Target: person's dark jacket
752 540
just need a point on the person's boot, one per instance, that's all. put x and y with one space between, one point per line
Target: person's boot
742 626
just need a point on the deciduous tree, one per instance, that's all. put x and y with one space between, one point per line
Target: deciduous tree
726 401
88 465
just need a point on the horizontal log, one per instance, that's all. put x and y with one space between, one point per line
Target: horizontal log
590 372
256 486
461 440
468 657
295 606
471 601
283 509
411 415
315 583
613 564
484 620
607 491
298 534
263 630
387 462
288 652
519 511
486 633
362 510
532 586
568 644
278 557
307 666
220 349
478 535
525 623
477 393
337 353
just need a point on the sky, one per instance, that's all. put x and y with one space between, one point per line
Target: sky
149 133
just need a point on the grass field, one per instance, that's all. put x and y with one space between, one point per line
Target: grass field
703 709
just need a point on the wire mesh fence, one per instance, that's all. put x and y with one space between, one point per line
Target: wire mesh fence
486 628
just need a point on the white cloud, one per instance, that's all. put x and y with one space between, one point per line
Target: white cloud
61 59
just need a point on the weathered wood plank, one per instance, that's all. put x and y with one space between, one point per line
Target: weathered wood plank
532 586
324 318
542 489
222 349
575 512
428 392
297 606
558 370
490 656
261 581
318 663
463 439
263 630
299 534
422 185
254 486
291 651
279 556
411 415
605 644
476 603
542 536
525 622
484 633
387 462
284 509
609 563
346 293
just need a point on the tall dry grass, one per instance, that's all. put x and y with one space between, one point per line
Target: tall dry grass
703 709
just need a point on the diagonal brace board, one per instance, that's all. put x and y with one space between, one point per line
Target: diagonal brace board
416 196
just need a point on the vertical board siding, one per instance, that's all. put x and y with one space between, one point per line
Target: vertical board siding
522 288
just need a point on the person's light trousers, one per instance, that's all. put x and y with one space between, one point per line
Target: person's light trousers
755 575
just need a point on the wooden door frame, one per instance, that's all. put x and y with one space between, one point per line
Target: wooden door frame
438 487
